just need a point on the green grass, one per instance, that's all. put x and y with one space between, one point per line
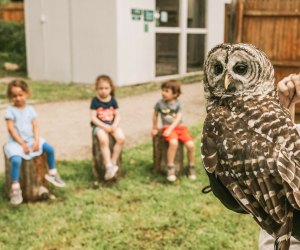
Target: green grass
140 211
54 91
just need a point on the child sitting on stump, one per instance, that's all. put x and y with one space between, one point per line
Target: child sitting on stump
105 120
170 110
24 141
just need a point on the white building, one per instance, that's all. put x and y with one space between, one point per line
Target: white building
133 41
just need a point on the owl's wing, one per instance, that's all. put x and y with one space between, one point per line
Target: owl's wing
210 160
267 119
246 164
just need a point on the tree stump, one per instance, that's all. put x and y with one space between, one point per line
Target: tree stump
160 149
33 184
98 166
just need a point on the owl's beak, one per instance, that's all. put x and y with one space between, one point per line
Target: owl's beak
226 82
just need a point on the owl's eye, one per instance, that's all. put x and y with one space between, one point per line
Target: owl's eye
240 68
218 68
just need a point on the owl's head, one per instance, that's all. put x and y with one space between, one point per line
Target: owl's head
234 69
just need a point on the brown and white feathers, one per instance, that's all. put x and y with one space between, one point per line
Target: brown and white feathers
249 141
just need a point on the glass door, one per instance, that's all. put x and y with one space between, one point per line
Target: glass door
167 35
180 36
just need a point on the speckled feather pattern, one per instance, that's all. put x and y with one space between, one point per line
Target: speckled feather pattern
250 142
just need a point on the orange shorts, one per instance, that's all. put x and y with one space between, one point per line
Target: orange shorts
180 133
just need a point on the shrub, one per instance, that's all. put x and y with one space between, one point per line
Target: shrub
3 2
12 43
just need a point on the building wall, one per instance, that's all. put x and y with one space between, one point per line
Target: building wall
94 39
215 22
57 40
34 43
135 46
76 40
48 39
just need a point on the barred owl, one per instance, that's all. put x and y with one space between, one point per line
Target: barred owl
249 143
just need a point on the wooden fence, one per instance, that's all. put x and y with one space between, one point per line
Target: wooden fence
271 25
13 12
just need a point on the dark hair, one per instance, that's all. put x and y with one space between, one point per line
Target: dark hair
17 83
108 79
173 85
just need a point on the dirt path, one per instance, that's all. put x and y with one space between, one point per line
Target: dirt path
66 124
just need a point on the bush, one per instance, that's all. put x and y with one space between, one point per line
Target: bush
12 43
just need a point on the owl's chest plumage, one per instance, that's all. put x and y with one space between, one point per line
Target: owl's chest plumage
253 147
257 115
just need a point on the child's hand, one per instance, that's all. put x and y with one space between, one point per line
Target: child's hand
25 148
113 128
108 129
36 146
167 132
154 132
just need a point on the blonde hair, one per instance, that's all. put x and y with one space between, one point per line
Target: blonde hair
107 79
17 83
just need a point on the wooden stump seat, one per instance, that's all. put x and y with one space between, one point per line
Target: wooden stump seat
33 184
98 166
160 149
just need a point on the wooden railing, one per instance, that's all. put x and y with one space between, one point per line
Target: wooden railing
13 12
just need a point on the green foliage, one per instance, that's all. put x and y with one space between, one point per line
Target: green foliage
140 211
4 2
12 43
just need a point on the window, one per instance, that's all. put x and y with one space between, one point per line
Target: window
168 13
195 52
180 36
166 54
196 13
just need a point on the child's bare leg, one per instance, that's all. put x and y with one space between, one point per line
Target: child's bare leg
190 152
191 158
104 147
120 139
173 144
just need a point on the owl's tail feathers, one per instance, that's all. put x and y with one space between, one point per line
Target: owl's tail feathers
281 245
284 233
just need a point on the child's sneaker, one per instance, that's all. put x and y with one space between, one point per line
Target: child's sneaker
171 174
55 180
192 173
110 172
16 196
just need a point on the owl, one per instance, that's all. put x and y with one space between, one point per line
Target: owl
250 147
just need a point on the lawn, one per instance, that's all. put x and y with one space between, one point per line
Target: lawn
140 211
42 91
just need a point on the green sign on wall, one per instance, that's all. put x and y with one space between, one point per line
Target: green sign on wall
148 15
136 14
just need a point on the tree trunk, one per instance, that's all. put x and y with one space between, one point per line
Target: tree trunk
98 166
160 149
33 184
